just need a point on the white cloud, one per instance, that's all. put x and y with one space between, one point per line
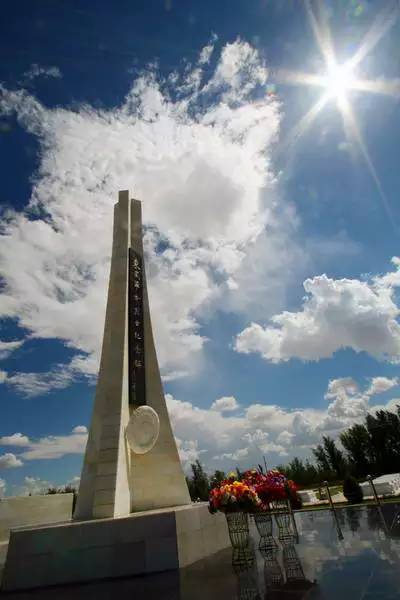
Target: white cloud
347 402
263 429
261 441
39 71
7 348
238 72
257 437
9 461
207 51
379 385
173 376
16 439
198 157
3 376
57 446
3 486
259 283
80 429
392 405
225 404
336 314
238 455
34 486
232 437
74 482
188 451
285 438
35 384
48 447
228 438
343 386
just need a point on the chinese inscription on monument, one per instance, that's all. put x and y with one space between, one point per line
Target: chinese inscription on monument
137 382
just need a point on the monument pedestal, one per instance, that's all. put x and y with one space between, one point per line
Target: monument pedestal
142 543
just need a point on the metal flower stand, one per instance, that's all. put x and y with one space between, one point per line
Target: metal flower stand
247 578
273 575
264 526
238 528
292 565
283 519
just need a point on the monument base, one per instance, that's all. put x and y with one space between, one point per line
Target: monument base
145 542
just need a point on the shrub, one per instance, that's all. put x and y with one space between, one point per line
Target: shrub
352 490
294 499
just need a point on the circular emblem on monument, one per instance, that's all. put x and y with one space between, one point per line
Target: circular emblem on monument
143 429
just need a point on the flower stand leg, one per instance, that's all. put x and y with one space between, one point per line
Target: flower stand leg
284 522
273 575
247 578
238 528
264 525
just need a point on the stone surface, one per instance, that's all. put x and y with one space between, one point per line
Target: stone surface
33 510
147 542
115 481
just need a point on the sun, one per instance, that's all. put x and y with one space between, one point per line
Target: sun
338 81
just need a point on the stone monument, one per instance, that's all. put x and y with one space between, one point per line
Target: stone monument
133 513
131 461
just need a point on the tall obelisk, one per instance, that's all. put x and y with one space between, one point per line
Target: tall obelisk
131 461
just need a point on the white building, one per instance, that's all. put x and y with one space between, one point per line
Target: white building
308 496
385 485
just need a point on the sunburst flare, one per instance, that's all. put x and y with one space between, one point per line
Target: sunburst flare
339 80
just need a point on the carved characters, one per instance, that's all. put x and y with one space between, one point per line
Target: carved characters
137 382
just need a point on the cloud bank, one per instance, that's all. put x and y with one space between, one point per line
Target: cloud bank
196 149
336 314
226 434
48 447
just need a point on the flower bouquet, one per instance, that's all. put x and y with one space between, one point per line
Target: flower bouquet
275 492
270 487
233 496
236 499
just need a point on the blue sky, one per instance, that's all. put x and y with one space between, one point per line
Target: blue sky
269 244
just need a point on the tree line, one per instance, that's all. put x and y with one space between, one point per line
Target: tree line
369 448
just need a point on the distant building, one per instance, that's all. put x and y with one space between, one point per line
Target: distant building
385 485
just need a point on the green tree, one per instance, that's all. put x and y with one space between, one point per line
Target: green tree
335 457
198 483
330 460
217 478
353 518
352 490
321 458
303 473
384 445
356 441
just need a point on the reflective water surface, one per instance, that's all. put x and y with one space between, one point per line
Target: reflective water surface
355 556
